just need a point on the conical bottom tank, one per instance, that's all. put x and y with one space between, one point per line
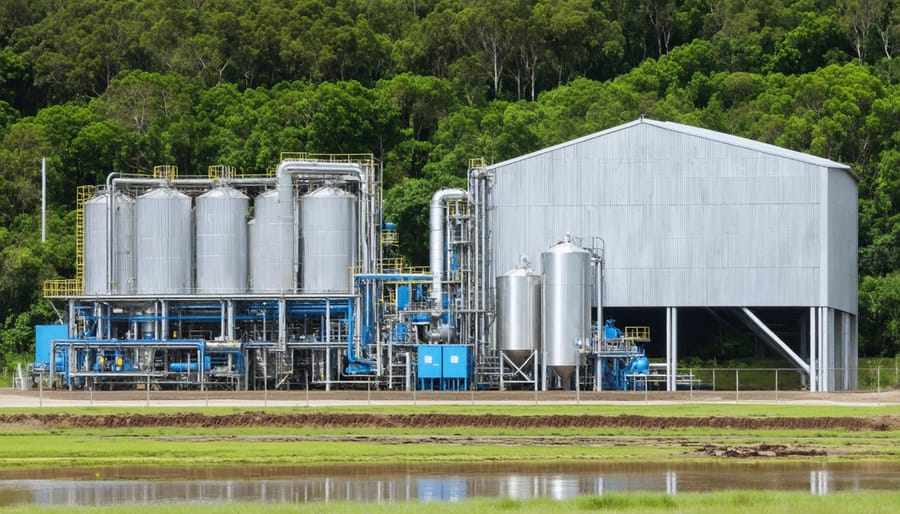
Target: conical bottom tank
566 299
519 314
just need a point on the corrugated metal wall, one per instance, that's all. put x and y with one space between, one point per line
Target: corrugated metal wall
687 219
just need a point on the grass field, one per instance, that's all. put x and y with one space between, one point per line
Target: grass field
728 502
29 443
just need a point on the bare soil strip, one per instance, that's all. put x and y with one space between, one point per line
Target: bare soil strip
339 420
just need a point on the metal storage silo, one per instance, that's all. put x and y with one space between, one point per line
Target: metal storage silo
221 241
96 250
328 240
566 299
271 245
519 313
163 230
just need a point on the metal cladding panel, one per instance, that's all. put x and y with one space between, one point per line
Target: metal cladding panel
328 240
519 313
686 220
455 361
163 231
222 241
842 243
271 256
96 249
566 299
429 359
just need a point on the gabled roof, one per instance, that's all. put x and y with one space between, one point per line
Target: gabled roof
711 135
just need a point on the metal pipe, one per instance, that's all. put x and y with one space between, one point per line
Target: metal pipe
436 239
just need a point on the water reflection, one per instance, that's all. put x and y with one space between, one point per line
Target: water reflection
137 485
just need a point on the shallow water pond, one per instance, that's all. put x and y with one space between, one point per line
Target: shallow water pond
400 483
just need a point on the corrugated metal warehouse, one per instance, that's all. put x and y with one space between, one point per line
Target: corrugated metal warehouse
698 225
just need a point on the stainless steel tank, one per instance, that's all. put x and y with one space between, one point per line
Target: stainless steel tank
327 240
221 218
519 313
96 249
566 299
272 245
163 232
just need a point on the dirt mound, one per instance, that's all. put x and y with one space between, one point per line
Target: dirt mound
331 420
761 450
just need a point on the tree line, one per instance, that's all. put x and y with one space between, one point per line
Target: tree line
101 86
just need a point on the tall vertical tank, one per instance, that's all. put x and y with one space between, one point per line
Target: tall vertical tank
271 255
328 240
566 299
163 231
221 218
96 251
519 313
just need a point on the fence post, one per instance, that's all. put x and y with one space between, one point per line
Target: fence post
714 379
878 381
737 385
776 385
691 380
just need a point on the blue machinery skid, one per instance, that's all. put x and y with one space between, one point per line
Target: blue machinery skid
181 284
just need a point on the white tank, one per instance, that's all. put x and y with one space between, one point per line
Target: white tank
566 300
519 313
221 218
271 256
96 251
163 231
327 240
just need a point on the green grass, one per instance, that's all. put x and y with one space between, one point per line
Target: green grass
727 502
24 447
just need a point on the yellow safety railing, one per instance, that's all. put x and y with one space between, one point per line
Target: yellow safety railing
476 162
637 332
329 157
219 171
62 288
389 238
166 171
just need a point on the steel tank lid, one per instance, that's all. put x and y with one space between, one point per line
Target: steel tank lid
163 192
522 269
565 247
269 193
224 192
326 191
102 196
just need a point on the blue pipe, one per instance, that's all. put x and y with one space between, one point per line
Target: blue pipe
355 364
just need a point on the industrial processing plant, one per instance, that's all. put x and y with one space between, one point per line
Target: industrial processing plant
290 279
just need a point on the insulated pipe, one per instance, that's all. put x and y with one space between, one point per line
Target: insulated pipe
287 169
436 240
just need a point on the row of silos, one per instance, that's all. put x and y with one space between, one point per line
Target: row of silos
549 312
160 239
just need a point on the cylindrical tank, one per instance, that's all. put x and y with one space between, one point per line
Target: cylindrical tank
271 256
566 299
221 218
328 240
163 230
96 251
519 313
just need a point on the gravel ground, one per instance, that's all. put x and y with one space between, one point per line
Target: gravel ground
10 398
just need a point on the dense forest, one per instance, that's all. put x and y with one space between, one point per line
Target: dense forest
102 86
